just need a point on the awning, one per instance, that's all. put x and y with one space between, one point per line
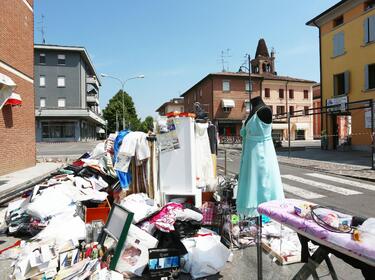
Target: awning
227 103
302 126
14 100
7 85
279 126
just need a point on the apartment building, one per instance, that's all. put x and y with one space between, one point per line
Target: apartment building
347 59
66 95
173 105
225 96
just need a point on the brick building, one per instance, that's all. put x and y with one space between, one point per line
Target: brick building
17 123
225 96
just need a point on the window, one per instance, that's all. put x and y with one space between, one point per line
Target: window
61 81
188 100
281 93
61 102
267 93
341 83
370 76
200 92
61 59
338 21
369 29
42 81
42 58
369 4
227 109
226 86
271 108
306 109
195 96
291 110
42 102
306 94
58 129
291 94
338 44
247 106
247 87
280 109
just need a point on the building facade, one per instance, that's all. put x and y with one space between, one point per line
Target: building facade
173 105
66 95
17 123
317 119
347 59
225 96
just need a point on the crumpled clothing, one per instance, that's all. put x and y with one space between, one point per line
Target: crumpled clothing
140 204
166 217
204 164
124 177
134 144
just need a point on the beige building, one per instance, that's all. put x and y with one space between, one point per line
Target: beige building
290 96
173 105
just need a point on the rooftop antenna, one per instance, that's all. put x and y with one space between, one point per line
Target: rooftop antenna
223 56
42 29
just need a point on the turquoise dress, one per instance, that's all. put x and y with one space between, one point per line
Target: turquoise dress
259 178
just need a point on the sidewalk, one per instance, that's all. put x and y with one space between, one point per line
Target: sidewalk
354 164
17 181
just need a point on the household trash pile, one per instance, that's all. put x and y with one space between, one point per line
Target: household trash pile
119 211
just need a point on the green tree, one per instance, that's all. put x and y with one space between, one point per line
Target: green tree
115 105
147 124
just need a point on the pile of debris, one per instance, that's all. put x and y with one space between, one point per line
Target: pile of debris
69 228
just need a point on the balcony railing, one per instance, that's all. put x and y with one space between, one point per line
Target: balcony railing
92 81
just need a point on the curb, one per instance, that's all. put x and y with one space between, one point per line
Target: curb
8 195
326 171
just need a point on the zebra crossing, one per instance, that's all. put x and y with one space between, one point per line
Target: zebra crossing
317 185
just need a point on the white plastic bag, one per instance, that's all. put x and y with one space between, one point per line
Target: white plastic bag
206 255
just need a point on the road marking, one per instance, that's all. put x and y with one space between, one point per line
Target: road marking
343 181
320 185
301 192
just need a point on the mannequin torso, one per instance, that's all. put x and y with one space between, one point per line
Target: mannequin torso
261 109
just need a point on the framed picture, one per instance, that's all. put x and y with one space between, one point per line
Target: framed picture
117 227
68 258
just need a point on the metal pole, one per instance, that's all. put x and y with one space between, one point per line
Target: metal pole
123 105
372 135
250 86
116 121
259 247
288 134
225 162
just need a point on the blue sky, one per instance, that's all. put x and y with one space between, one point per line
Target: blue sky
175 43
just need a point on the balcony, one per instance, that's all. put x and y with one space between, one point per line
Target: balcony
92 98
92 81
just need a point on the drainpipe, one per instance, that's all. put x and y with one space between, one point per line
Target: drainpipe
287 114
320 82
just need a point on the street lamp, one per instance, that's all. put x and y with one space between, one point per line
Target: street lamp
122 82
249 71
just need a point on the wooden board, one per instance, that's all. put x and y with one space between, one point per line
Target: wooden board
282 260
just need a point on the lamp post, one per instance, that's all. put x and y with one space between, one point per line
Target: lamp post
248 68
122 82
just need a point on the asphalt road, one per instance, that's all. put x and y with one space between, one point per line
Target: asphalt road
352 196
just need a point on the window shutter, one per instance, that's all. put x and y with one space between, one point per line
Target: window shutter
347 81
334 85
335 45
371 26
366 77
365 30
341 43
